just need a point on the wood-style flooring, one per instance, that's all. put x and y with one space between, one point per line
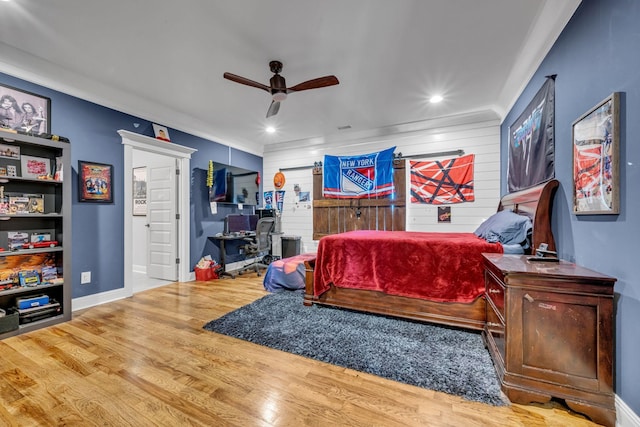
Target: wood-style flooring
146 361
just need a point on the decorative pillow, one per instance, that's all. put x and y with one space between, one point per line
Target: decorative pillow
506 227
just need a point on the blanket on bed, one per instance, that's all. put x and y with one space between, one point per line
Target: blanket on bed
443 267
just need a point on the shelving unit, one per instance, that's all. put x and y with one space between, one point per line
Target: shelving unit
54 221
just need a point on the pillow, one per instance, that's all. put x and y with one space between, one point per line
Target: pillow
506 227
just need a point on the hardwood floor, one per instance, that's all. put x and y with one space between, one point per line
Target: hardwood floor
146 361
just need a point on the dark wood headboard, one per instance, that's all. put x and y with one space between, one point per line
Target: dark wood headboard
536 203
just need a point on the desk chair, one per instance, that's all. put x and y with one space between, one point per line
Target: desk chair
259 247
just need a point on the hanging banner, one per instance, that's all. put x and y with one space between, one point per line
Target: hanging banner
268 199
442 182
218 190
531 141
358 177
279 200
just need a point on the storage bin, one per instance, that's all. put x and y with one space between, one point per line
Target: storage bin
9 322
205 274
290 246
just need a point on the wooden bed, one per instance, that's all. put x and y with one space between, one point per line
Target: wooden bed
535 202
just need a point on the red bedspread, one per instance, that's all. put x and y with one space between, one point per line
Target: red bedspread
443 267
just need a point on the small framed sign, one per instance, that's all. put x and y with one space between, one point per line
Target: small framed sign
140 191
95 182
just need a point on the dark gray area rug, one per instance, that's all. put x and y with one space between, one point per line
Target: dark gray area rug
449 360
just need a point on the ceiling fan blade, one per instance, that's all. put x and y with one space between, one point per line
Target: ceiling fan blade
314 84
273 108
245 81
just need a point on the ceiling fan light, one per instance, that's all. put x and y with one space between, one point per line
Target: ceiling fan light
279 96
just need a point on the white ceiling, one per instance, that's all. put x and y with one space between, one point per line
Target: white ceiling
164 60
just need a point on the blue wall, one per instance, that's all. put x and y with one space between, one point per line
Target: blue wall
598 53
98 229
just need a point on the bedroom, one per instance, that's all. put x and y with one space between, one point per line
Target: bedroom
602 243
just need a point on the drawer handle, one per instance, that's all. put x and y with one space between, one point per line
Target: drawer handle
528 297
495 291
494 325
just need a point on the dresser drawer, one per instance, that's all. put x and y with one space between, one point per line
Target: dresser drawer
495 292
495 328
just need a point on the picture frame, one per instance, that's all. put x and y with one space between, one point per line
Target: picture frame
34 167
596 146
24 111
95 182
139 191
9 152
161 133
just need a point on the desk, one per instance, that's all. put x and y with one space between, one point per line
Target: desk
223 238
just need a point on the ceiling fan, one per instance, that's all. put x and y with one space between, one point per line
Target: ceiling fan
278 87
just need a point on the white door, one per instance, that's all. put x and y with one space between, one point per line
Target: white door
162 239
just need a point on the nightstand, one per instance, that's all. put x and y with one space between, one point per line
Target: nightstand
549 331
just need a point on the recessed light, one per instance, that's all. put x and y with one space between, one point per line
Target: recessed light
270 129
435 99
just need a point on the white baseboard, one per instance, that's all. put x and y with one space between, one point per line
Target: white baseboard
625 417
97 299
142 269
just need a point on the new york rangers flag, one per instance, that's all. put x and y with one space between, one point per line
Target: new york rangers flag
443 182
358 177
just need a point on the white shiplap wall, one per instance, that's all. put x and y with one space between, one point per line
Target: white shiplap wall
479 136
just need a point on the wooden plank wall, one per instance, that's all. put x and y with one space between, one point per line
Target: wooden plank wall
331 216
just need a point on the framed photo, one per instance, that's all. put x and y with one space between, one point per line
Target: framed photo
596 141
35 167
140 191
9 152
161 133
95 182
24 111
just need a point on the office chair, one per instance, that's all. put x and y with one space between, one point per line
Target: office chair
260 247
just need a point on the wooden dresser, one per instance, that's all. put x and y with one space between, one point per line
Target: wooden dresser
549 330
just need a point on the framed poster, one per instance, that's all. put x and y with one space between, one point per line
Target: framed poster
24 111
595 137
140 191
95 182
35 167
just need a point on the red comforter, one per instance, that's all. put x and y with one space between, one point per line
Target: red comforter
443 267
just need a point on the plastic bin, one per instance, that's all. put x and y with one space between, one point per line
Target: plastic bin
206 274
9 322
290 246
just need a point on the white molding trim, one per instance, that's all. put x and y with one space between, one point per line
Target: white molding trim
142 269
98 299
23 65
549 24
625 417
133 141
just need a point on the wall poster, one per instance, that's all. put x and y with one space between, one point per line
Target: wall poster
531 141
140 191
595 159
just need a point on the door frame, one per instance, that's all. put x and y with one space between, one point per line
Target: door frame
133 141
